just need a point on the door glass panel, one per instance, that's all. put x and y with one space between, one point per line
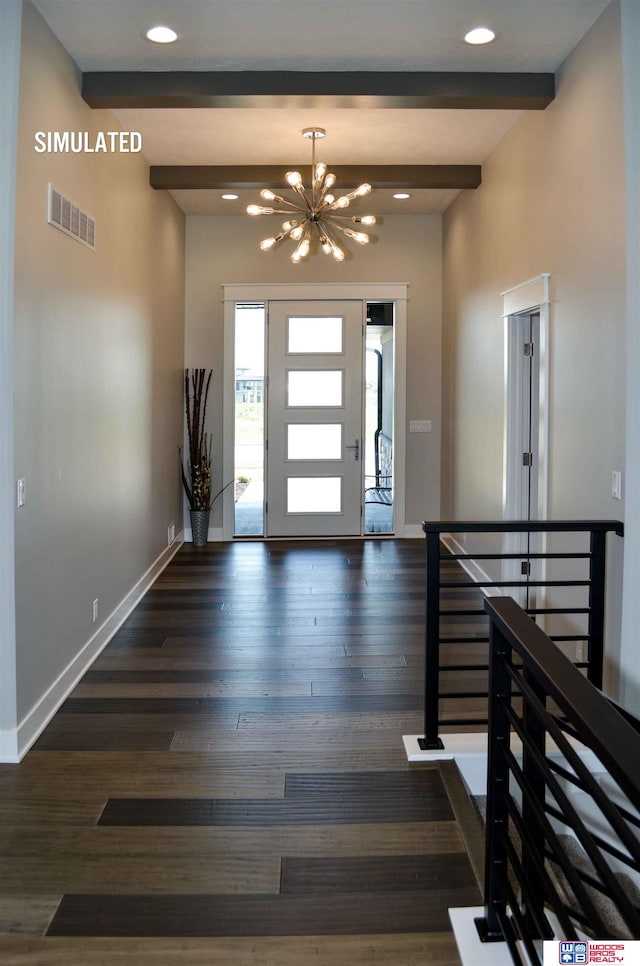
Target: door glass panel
314 441
314 387
314 494
317 334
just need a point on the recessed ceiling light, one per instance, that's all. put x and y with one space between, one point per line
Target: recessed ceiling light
230 197
161 34
401 195
480 35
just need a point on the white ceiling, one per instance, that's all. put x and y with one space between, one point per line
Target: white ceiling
426 35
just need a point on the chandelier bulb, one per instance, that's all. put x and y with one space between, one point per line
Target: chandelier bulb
268 243
329 199
366 220
329 181
268 194
337 253
342 202
294 179
358 236
259 210
297 233
301 251
363 190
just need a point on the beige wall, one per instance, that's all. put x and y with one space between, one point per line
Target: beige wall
224 250
552 200
98 362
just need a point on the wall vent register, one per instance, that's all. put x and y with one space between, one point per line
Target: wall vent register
68 218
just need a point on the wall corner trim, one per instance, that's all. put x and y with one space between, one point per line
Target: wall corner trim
15 743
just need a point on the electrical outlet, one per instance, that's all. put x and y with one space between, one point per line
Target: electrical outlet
419 425
94 610
21 498
171 533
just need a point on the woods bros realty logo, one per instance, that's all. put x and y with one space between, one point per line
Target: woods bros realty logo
83 142
576 953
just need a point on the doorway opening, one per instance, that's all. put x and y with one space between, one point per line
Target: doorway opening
526 320
312 430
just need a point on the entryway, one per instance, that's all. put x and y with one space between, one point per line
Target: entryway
317 427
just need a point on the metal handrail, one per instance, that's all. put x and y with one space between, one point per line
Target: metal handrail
533 885
594 611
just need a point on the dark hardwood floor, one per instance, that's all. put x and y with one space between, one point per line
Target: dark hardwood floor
228 784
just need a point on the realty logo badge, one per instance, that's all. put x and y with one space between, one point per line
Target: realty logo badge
573 952
582 952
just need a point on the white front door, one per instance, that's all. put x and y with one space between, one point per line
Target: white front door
314 419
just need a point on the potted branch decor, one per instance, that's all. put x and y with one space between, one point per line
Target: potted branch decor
197 472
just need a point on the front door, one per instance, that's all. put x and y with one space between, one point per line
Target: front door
314 419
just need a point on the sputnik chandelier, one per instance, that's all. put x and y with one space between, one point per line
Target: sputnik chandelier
317 213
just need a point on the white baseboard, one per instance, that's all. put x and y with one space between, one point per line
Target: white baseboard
9 747
15 743
215 535
413 530
471 567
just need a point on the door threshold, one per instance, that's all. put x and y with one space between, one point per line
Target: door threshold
260 538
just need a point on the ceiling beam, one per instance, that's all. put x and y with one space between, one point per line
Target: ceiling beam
177 176
323 89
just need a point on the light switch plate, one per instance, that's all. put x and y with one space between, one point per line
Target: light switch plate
419 425
21 497
616 485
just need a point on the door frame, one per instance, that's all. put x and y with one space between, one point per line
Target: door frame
396 292
519 302
527 298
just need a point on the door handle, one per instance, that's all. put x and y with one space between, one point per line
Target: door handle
356 447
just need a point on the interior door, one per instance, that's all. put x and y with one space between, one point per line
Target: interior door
314 419
523 419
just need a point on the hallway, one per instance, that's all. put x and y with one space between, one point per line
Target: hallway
232 768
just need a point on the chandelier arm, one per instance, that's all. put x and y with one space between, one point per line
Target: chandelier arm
354 218
292 204
283 211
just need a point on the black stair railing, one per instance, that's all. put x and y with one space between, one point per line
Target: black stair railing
594 585
562 849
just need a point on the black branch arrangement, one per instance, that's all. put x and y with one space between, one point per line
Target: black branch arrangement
197 472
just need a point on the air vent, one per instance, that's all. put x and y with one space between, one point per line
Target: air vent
67 217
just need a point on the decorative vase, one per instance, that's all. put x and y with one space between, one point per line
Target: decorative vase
200 527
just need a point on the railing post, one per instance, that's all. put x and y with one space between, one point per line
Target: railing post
432 643
597 575
497 828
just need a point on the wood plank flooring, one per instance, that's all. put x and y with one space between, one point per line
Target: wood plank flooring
227 784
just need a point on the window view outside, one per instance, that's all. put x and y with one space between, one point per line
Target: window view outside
249 419
378 449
